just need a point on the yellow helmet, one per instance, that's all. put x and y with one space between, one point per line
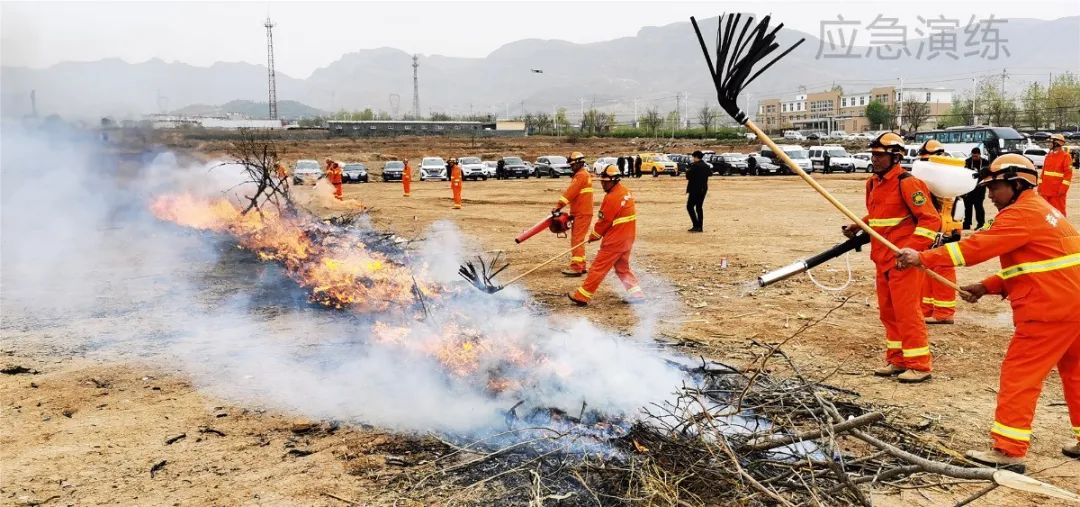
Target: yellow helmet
1057 139
577 156
932 147
888 142
1011 167
610 173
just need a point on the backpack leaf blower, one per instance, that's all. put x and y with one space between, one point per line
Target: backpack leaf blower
558 223
801 266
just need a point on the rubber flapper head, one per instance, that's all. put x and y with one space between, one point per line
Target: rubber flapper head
738 51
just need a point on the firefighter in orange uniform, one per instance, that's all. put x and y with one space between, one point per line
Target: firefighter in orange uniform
282 174
406 178
579 195
616 226
1040 275
333 175
1056 174
900 210
938 299
455 182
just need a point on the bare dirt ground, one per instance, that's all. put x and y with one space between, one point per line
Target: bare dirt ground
90 430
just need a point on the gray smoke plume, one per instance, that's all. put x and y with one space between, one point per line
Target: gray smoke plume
85 268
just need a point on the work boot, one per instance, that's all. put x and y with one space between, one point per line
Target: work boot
576 302
939 321
994 458
572 272
889 370
1072 451
913 377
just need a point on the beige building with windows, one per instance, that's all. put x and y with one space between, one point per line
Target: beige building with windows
832 110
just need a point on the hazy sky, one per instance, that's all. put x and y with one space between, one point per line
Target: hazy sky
310 35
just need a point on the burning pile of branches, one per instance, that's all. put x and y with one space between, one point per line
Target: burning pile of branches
727 437
343 267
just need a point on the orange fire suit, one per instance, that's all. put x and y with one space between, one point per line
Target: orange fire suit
455 185
1040 275
900 210
333 174
617 226
938 299
1056 178
406 179
579 196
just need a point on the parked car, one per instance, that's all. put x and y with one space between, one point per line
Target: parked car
794 135
726 164
603 162
531 168
393 170
1039 136
472 168
354 172
814 136
911 154
553 166
860 137
758 165
838 134
1036 155
838 158
512 167
306 172
796 153
433 168
683 161
490 167
657 164
861 161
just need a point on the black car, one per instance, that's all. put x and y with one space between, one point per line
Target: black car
553 166
511 167
354 173
1039 136
813 136
683 161
393 170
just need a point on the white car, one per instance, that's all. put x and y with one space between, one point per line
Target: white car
472 168
838 134
838 158
860 136
1036 154
603 162
306 171
433 168
794 135
861 161
489 168
796 153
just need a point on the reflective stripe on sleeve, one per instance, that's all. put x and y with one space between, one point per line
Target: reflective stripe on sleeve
955 255
1010 432
891 344
1054 264
926 233
1052 173
623 220
885 222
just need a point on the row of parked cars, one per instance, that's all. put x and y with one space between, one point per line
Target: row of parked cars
308 171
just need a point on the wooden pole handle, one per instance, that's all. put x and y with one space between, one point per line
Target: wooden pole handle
840 206
545 263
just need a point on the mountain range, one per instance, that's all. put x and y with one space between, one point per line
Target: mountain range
650 68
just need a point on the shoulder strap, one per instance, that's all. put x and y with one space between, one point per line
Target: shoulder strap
900 187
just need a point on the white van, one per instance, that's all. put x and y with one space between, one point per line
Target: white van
794 135
838 158
796 153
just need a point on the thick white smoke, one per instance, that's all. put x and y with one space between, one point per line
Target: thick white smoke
82 256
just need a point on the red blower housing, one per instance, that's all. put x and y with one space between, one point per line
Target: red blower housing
558 223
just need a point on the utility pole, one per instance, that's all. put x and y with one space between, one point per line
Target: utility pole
900 105
270 68
678 105
416 87
33 103
635 113
974 87
581 111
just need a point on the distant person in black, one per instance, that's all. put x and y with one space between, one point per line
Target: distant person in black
826 160
622 165
751 165
637 166
973 201
697 185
